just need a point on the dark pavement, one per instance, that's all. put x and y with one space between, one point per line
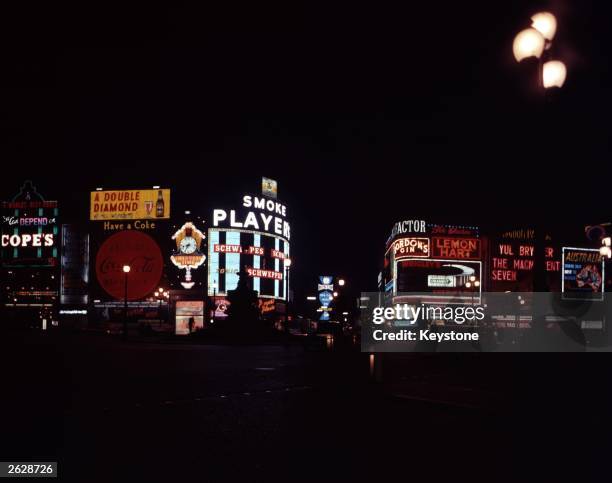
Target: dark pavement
114 411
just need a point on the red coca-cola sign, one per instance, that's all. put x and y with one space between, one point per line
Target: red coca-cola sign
141 253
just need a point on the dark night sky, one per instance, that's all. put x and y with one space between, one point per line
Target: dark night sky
366 114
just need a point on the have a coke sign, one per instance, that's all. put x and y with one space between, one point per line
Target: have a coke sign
141 253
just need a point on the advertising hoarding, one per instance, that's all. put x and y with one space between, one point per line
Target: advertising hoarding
186 311
130 205
136 249
252 238
443 279
325 289
433 258
30 230
220 306
256 254
583 274
188 254
256 214
455 248
513 262
410 247
269 187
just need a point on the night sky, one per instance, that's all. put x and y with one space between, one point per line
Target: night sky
365 113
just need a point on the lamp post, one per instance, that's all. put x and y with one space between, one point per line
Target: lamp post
536 42
473 284
167 295
287 263
126 271
606 251
160 295
214 304
339 298
311 298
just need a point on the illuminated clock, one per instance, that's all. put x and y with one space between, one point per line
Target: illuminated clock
188 245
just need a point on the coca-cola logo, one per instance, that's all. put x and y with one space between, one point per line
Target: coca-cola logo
141 253
138 264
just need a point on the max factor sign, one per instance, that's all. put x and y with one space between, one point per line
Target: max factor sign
262 214
409 226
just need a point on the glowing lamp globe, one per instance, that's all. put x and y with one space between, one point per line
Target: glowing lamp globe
528 43
553 74
545 23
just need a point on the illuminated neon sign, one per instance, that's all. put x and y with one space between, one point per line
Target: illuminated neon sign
456 248
28 240
263 215
27 221
412 247
188 256
514 258
259 251
261 273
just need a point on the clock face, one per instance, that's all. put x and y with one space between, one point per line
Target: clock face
188 245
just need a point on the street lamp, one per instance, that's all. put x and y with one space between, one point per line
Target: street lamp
341 282
167 295
533 42
545 23
126 270
473 284
553 74
606 250
536 41
528 43
214 304
160 295
287 263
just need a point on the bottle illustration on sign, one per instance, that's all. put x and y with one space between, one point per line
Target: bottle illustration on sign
159 206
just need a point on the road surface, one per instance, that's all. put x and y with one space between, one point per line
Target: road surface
109 410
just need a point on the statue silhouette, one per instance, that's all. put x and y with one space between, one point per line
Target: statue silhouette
243 310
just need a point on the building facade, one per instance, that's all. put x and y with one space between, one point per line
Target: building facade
30 251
